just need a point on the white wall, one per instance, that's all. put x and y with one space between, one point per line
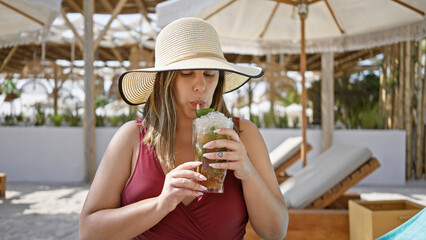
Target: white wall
388 146
55 155
47 154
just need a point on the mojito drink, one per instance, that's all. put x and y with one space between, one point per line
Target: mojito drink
202 133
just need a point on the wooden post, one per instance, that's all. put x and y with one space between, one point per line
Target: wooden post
401 85
420 134
424 123
327 99
407 110
424 131
395 102
89 109
391 89
302 73
382 89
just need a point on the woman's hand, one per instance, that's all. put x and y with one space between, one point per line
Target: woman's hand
236 156
181 182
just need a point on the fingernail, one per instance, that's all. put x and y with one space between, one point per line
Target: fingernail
202 177
203 188
207 145
216 130
200 193
213 165
207 155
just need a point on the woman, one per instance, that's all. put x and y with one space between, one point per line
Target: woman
145 186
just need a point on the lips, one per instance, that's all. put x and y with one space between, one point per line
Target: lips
200 103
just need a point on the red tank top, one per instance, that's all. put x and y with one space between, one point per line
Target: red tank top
211 216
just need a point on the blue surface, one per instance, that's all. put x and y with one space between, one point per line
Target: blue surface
414 228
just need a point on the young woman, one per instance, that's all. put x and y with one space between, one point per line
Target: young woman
145 186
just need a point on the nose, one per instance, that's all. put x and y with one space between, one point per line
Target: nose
199 82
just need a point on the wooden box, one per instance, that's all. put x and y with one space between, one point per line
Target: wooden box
372 219
313 224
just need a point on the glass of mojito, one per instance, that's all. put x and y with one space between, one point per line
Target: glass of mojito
202 133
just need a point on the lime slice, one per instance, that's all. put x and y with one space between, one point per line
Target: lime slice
202 112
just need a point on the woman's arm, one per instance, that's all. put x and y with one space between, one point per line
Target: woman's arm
265 203
249 158
103 218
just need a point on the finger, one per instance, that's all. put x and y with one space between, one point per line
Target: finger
187 192
222 143
230 156
228 132
224 165
187 184
188 165
187 174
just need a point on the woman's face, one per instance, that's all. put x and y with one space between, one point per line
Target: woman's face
192 87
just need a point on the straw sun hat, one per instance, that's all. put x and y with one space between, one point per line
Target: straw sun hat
187 43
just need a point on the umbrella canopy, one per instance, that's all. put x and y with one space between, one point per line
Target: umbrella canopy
26 21
262 27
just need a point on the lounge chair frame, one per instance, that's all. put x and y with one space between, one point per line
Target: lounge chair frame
339 189
316 222
281 173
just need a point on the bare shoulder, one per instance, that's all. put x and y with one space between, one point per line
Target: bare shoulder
254 144
128 133
251 136
249 129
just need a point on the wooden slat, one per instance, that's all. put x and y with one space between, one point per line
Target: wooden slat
390 93
401 85
22 13
281 171
2 185
75 6
334 17
408 93
420 135
410 7
269 20
290 2
318 224
9 56
114 14
424 131
350 181
77 36
218 10
304 95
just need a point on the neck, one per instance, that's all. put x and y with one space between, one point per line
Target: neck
183 124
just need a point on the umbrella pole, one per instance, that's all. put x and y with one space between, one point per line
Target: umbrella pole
302 72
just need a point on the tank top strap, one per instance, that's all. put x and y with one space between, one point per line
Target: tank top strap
141 128
236 121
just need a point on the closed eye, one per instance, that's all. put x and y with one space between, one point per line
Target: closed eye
210 73
186 73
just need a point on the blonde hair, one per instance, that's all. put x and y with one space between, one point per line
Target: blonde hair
159 115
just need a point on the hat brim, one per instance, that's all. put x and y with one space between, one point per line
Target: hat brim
135 86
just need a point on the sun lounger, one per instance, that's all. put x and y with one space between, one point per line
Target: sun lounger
324 179
319 184
286 154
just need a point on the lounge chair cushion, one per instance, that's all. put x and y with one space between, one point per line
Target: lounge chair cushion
322 173
285 151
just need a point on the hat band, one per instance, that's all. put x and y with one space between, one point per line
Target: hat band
194 55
